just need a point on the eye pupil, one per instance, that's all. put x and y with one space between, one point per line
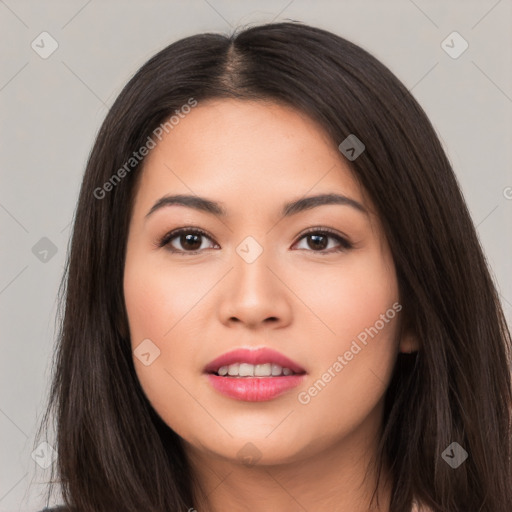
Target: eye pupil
187 239
320 246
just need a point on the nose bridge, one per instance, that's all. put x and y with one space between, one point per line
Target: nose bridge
252 275
254 292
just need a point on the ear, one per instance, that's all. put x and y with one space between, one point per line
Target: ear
409 343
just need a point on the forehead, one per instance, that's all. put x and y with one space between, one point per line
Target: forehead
256 150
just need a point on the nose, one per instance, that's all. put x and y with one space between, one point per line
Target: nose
255 294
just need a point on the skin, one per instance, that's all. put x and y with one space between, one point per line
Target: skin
252 157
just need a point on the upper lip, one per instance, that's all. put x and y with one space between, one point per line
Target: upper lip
253 356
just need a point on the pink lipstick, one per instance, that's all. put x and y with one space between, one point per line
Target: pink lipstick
254 375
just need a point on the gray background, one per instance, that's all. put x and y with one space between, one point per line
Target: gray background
53 107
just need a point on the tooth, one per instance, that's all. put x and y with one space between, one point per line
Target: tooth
276 369
250 370
246 370
263 370
233 369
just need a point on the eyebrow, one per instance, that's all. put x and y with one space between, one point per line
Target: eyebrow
290 208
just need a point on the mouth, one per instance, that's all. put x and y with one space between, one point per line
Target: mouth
260 362
246 370
254 375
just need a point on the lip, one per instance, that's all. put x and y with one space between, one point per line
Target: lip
253 356
254 389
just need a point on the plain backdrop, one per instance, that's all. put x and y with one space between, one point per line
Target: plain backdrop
52 107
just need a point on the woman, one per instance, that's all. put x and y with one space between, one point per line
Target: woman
276 298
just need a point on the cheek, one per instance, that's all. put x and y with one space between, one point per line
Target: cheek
158 306
359 309
163 304
158 297
349 297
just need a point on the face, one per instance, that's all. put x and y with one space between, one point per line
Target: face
316 284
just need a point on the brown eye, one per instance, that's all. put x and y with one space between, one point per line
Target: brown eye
318 241
189 239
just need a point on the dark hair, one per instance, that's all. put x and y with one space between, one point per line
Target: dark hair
456 388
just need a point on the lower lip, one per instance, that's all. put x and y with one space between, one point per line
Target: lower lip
254 389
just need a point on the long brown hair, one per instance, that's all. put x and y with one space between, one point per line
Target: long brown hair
115 453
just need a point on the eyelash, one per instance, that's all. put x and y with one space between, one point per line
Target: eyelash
168 237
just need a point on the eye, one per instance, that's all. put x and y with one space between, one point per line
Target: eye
190 240
319 240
